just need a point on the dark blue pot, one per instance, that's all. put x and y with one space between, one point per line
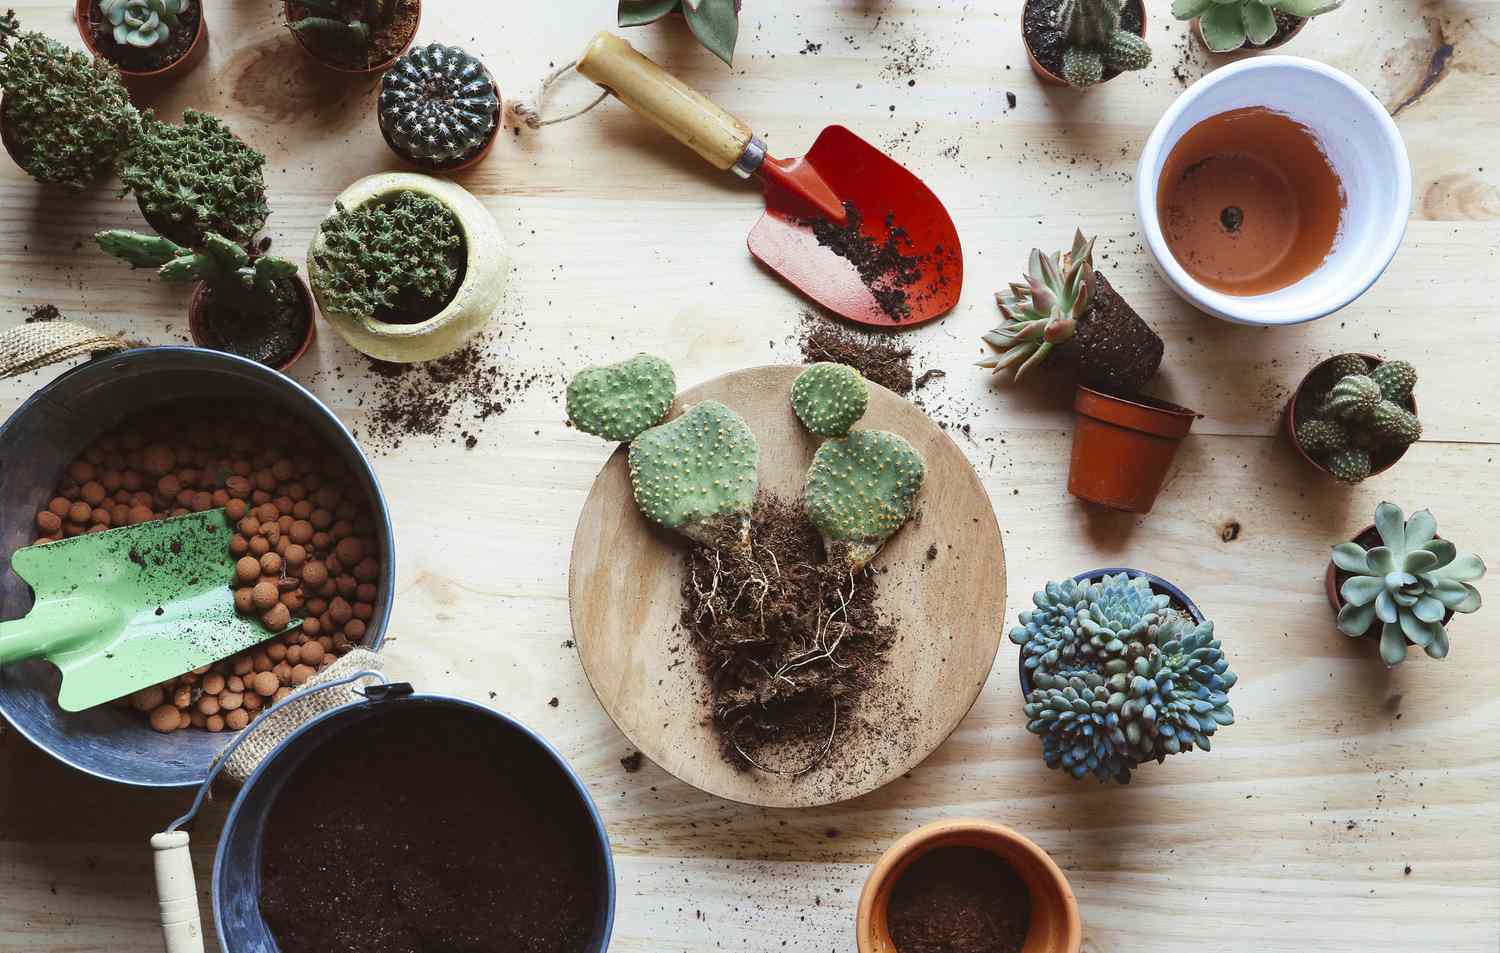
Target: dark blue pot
1158 585
236 877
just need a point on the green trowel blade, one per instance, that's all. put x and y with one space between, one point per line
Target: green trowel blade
124 609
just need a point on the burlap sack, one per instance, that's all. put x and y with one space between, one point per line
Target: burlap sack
270 730
30 346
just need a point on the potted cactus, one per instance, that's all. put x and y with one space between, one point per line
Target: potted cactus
1404 590
354 36
255 307
1225 27
1082 43
439 108
716 23
1119 668
64 118
1354 415
146 39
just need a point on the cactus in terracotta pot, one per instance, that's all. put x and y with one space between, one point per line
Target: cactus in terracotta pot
438 105
1095 42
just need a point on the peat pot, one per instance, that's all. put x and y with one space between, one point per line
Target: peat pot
38 442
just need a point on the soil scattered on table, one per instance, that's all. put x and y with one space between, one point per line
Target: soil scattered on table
450 834
44 314
880 360
960 900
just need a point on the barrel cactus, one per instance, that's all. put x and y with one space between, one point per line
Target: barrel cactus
830 398
619 401
860 490
1352 416
438 105
696 474
1093 41
142 23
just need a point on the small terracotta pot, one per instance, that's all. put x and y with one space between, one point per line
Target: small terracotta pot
1248 47
198 322
174 70
1333 581
1042 72
1122 449
1289 418
1055 923
286 10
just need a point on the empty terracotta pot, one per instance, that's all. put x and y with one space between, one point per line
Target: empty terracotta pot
1055 923
1123 448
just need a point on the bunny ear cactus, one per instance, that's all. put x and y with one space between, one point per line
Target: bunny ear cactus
716 23
697 475
1093 41
860 490
142 23
1228 24
1408 584
830 398
620 401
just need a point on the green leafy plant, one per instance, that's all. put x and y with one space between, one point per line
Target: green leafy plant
1408 584
1119 677
696 474
142 23
383 254
241 285
860 490
196 178
716 23
1093 41
1228 25
67 116
438 105
830 398
326 21
620 401
1351 411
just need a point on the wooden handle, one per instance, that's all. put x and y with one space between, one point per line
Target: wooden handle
665 100
177 893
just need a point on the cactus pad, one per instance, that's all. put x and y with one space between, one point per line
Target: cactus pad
1396 380
696 474
618 401
829 398
1352 398
860 490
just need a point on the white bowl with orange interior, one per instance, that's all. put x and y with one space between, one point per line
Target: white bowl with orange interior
1317 228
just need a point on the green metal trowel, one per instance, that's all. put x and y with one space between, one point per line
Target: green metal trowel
128 608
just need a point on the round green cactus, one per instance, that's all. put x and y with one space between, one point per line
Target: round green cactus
829 398
1352 398
1322 437
860 490
1343 365
697 474
1350 465
1392 425
618 401
1396 380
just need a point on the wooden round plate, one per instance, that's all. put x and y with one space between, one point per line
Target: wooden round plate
942 580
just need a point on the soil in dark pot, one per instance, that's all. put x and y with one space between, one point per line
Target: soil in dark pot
1123 448
170 57
325 30
275 338
1045 42
1365 457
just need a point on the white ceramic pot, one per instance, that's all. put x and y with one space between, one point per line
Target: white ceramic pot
479 295
1364 147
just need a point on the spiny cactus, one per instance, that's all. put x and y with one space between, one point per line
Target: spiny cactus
860 490
142 23
1352 398
68 116
1322 437
716 23
196 178
1345 421
619 401
1341 366
1393 425
385 252
438 105
1396 380
1350 465
1228 24
1408 584
246 287
326 21
830 398
1094 41
696 474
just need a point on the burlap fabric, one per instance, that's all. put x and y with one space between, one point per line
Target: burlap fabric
30 346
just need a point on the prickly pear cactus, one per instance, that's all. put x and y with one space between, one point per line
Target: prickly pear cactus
697 474
1396 380
860 490
830 398
438 105
1352 398
618 401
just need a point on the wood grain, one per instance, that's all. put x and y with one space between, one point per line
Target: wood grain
625 241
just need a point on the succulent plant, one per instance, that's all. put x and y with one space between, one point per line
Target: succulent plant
438 105
1352 398
142 23
619 401
68 116
1322 437
382 253
860 490
830 398
1396 380
326 21
243 285
1228 24
696 474
1093 41
1176 694
1391 424
1345 420
196 178
1080 733
1408 584
716 23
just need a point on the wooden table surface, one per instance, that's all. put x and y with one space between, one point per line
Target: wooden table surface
1350 808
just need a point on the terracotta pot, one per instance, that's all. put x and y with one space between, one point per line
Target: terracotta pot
1123 448
460 165
174 70
1046 75
198 322
1333 581
1055 923
1249 47
1289 418
310 50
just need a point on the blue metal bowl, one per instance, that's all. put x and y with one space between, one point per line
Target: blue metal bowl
1158 584
38 442
236 877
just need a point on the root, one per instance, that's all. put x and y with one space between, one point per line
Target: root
817 759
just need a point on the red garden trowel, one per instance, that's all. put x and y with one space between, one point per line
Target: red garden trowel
845 224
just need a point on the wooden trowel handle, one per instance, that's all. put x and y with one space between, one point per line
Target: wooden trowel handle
177 893
687 114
